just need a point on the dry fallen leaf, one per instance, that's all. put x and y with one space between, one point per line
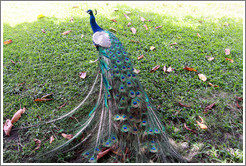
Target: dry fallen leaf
226 24
230 60
7 127
133 41
142 19
239 98
158 27
183 105
12 62
189 128
202 77
68 136
43 30
75 6
45 96
82 75
202 126
133 30
127 16
189 69
140 57
52 138
42 99
146 27
40 16
209 58
136 71
17 115
238 106
114 19
127 12
66 32
112 29
170 69
198 35
82 36
129 23
164 68
155 68
152 48
173 44
63 105
212 85
7 42
209 107
39 117
227 51
38 142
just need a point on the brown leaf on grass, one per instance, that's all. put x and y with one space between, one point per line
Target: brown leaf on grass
226 24
142 19
238 106
129 23
42 99
12 62
164 68
158 27
113 19
227 51
43 30
170 69
146 27
7 42
183 105
127 12
140 57
82 75
75 6
173 44
112 29
38 143
202 126
17 115
52 138
202 77
39 117
209 107
152 48
133 30
7 127
82 36
189 69
198 35
239 98
155 68
71 20
189 128
212 85
133 41
127 16
66 32
63 105
67 136
200 21
209 58
45 96
229 60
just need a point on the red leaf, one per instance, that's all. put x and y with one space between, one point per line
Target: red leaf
227 51
17 115
142 19
43 30
42 99
7 42
133 30
212 85
238 106
52 138
239 98
155 68
209 107
82 75
164 68
198 35
113 20
67 136
183 105
38 142
146 27
13 62
129 23
189 69
63 105
230 60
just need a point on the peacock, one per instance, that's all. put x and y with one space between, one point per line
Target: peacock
123 126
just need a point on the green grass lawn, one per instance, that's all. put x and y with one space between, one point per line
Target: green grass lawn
50 62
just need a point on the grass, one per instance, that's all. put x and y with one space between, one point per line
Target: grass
50 63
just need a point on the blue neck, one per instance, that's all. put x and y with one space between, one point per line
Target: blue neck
94 25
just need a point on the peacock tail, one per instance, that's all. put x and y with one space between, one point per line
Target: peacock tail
123 126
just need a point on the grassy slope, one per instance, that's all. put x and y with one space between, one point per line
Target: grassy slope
50 63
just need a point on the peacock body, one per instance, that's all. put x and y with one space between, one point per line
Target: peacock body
123 123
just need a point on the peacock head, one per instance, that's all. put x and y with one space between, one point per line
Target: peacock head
90 12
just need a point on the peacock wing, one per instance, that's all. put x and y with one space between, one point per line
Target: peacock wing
101 39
